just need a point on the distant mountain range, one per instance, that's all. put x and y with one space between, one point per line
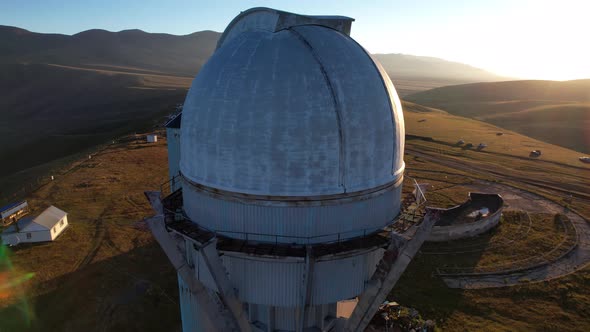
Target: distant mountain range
170 54
137 50
405 66
552 111
60 93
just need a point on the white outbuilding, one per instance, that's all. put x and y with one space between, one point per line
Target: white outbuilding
12 212
45 227
151 138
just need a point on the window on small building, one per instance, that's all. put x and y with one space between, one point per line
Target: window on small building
29 235
61 222
53 229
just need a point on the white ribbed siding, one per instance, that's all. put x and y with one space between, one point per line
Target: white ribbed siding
336 280
173 142
292 224
192 318
285 318
200 268
263 281
277 282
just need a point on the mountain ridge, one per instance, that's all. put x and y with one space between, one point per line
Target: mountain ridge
100 84
557 112
186 53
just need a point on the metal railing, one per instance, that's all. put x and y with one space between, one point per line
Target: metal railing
405 219
167 186
338 237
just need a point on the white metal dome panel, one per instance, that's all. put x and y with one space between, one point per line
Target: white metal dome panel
303 111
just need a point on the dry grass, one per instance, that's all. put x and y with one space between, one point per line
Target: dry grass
105 272
450 129
551 111
520 241
559 305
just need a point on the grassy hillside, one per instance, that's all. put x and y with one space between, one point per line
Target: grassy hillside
412 73
138 51
131 49
561 304
60 94
555 112
106 273
437 133
50 112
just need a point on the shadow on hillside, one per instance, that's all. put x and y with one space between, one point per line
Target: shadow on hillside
134 291
422 288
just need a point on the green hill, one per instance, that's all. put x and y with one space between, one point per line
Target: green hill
552 111
61 94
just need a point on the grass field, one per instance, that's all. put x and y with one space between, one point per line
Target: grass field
78 109
517 242
107 273
558 305
551 111
104 272
557 173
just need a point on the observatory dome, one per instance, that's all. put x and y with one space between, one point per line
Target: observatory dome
292 110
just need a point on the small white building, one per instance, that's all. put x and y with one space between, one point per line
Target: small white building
12 212
45 227
151 138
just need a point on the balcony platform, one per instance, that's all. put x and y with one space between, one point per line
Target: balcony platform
178 222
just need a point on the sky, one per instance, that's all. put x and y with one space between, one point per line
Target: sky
519 38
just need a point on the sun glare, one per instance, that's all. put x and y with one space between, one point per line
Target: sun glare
541 41
526 40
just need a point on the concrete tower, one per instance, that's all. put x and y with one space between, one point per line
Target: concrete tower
291 166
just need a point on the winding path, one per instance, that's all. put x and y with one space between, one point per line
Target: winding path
518 199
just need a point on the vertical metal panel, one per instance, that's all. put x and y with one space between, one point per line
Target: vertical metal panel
292 224
368 135
271 282
343 279
173 141
192 318
200 267
278 282
285 319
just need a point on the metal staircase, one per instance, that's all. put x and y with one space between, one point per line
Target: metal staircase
402 249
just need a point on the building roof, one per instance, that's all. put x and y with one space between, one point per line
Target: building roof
272 20
45 221
50 217
12 205
296 110
24 224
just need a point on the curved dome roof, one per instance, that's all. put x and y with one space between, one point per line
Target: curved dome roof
289 106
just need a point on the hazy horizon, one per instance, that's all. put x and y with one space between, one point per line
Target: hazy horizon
520 39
